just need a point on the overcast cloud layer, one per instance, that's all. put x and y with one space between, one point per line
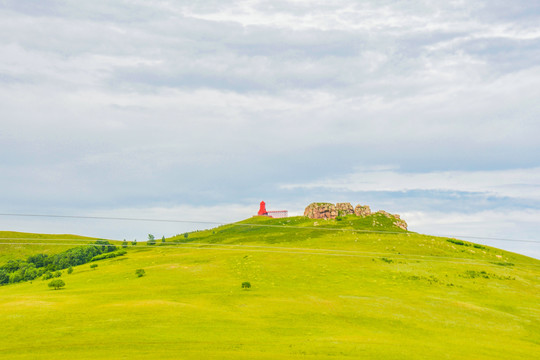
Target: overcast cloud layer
199 110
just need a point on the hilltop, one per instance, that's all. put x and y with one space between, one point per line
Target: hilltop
351 287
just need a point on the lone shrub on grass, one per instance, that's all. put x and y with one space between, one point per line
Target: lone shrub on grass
57 284
140 272
70 270
93 266
246 285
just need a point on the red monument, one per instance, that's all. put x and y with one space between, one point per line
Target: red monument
272 214
262 210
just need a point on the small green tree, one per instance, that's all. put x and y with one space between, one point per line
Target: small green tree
163 239
93 266
57 273
124 244
70 270
246 285
134 242
57 284
140 272
151 240
48 275
186 235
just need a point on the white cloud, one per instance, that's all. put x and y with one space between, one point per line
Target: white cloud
515 183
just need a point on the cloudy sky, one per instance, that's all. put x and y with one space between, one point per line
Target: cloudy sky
198 110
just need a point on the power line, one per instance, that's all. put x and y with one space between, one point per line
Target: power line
115 218
260 225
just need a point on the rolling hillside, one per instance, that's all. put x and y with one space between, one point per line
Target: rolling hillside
319 290
18 245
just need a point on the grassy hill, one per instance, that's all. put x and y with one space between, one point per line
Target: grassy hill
319 290
18 245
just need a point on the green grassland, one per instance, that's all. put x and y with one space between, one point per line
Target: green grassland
331 289
18 245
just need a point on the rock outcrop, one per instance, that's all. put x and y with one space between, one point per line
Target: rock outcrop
331 211
344 209
321 211
362 210
400 223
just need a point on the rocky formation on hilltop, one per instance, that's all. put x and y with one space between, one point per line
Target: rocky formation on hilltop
331 211
321 211
344 209
362 210
398 221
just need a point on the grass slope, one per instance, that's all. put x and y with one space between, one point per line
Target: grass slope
316 294
19 245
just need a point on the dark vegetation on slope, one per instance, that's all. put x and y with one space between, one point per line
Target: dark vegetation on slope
43 265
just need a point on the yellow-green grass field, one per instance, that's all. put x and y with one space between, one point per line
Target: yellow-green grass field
18 245
316 293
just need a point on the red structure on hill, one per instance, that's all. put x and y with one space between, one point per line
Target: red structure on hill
262 209
272 214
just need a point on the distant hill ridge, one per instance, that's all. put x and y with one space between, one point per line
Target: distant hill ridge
322 210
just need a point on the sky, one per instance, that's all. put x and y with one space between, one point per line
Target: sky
198 110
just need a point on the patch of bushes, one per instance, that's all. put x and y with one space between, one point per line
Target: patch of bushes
386 260
140 272
463 243
503 263
457 242
431 279
473 274
109 255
